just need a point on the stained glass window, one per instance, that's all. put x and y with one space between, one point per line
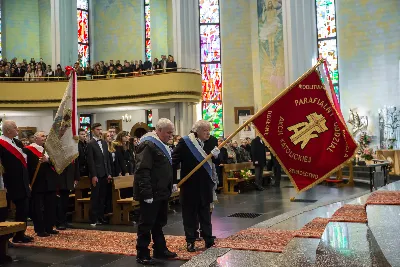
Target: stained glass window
210 43
212 112
211 69
209 11
85 122
0 33
327 50
211 81
83 32
327 42
147 29
326 21
149 117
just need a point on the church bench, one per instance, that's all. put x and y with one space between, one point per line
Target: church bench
7 228
122 206
229 183
82 201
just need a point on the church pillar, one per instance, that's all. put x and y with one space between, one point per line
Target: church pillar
67 32
299 36
186 42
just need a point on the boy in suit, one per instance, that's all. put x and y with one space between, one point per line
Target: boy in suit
98 160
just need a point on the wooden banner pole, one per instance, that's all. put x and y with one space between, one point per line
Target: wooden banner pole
37 169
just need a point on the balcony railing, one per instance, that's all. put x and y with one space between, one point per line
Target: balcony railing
102 76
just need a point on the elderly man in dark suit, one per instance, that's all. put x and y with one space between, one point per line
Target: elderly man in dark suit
16 177
197 193
98 160
44 187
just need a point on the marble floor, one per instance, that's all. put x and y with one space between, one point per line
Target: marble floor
272 204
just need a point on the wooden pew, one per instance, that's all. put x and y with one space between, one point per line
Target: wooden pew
230 182
82 200
122 206
7 228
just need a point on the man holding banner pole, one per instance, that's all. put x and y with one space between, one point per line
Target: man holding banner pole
198 193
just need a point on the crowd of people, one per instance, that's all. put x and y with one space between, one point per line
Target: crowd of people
40 71
154 160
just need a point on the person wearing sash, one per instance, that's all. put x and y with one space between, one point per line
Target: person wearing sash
44 188
198 192
16 177
153 185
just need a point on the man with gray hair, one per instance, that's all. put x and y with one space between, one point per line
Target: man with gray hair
16 177
197 193
153 185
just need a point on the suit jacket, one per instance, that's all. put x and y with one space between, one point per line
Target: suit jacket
98 162
199 187
82 148
16 177
65 181
46 179
258 152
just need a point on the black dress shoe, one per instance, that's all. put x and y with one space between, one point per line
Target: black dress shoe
29 237
24 239
190 247
61 228
43 234
5 258
210 244
166 254
53 232
146 260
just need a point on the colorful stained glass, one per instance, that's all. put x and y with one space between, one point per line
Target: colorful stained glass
148 49
84 120
209 11
212 112
326 19
210 43
83 54
83 4
147 20
211 81
336 89
327 50
83 28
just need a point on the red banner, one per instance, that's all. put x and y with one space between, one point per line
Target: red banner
305 133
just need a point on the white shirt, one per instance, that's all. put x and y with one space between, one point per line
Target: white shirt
99 143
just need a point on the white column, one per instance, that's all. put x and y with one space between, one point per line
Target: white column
186 49
55 32
299 36
190 115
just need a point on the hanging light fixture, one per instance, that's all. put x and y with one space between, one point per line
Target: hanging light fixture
127 118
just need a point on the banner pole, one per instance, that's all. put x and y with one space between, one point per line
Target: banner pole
37 169
321 61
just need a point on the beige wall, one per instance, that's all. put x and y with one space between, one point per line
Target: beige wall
237 69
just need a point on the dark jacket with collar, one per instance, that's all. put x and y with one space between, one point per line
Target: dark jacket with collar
98 161
15 176
46 179
258 152
153 173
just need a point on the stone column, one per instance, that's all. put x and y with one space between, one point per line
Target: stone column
68 29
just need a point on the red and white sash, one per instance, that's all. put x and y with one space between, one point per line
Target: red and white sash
13 149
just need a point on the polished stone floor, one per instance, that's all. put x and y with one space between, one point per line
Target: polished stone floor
271 203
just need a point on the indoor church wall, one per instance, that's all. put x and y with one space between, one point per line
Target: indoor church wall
45 31
369 54
159 28
118 30
20 28
42 122
170 23
236 54
137 116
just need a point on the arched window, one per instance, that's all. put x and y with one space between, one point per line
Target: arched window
83 32
327 39
210 59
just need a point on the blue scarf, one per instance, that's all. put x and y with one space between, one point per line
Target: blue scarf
198 153
154 139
